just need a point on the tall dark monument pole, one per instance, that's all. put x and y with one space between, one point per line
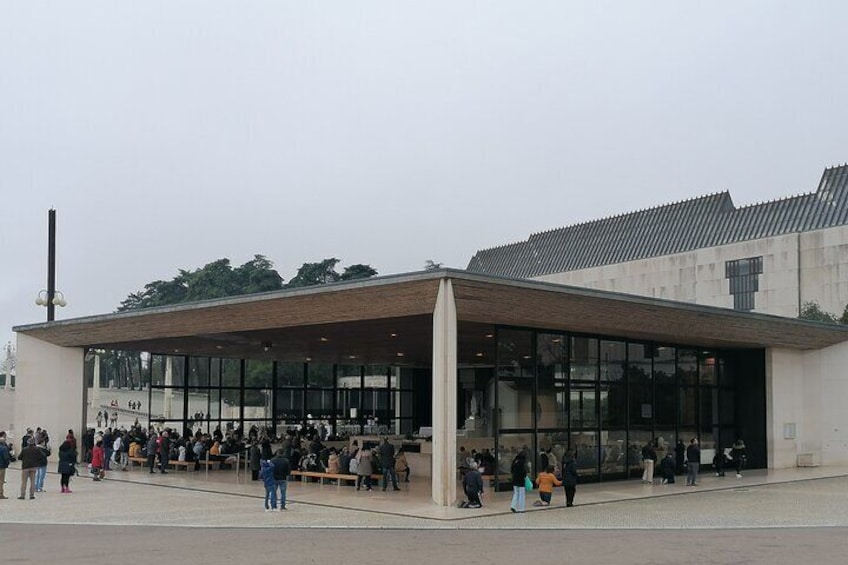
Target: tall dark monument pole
51 263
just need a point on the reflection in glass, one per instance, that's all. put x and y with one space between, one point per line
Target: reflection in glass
231 372
636 440
613 406
583 406
515 354
641 405
613 360
320 375
707 369
584 359
258 374
587 453
614 448
688 406
552 405
664 369
687 367
510 446
515 401
639 363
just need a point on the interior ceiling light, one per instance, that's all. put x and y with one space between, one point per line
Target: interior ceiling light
393 334
351 356
480 354
323 339
309 359
219 347
267 345
400 354
490 336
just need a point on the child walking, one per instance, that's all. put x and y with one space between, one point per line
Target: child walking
546 482
266 473
97 460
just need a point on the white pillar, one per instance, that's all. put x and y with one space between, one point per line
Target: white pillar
50 388
95 386
168 392
444 396
8 366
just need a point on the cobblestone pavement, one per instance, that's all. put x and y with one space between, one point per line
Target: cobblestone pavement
819 502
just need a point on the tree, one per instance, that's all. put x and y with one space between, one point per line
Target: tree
311 274
358 271
217 279
812 311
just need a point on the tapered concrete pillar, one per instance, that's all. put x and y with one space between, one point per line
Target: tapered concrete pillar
50 389
169 392
444 396
95 385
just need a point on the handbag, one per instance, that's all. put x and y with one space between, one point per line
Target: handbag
528 484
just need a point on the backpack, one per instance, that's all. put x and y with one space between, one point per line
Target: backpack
354 466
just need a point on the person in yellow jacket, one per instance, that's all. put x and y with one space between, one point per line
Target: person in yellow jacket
546 481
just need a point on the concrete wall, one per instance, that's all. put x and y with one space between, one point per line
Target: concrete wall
699 276
826 394
808 389
49 388
7 410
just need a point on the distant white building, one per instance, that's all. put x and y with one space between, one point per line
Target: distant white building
768 258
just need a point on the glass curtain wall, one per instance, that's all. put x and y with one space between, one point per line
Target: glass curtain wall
604 399
190 393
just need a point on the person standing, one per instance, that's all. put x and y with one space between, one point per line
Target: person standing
693 461
364 468
569 477
739 454
519 480
680 456
32 457
649 459
41 472
387 460
164 452
5 460
282 470
97 458
255 461
266 473
67 464
152 445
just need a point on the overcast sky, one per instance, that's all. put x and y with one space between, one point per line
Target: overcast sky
171 134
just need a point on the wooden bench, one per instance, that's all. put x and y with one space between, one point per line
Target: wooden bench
140 461
338 477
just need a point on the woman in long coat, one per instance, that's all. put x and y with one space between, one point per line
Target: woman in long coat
363 472
67 464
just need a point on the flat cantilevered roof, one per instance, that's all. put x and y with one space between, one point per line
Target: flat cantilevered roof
389 319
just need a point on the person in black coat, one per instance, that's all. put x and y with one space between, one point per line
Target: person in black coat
667 468
693 460
67 464
472 484
255 462
569 477
680 455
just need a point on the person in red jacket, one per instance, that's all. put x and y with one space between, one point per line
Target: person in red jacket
97 459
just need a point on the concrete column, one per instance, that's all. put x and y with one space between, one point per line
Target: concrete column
444 396
169 392
790 394
95 385
50 388
825 390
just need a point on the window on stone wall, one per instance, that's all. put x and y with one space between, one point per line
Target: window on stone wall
744 277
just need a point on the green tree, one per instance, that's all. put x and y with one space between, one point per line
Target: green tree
217 279
358 271
311 274
812 311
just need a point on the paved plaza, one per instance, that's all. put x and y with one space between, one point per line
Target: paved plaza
761 499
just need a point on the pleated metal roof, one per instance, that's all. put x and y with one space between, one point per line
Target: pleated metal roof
705 221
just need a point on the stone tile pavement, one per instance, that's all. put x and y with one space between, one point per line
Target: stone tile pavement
782 498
